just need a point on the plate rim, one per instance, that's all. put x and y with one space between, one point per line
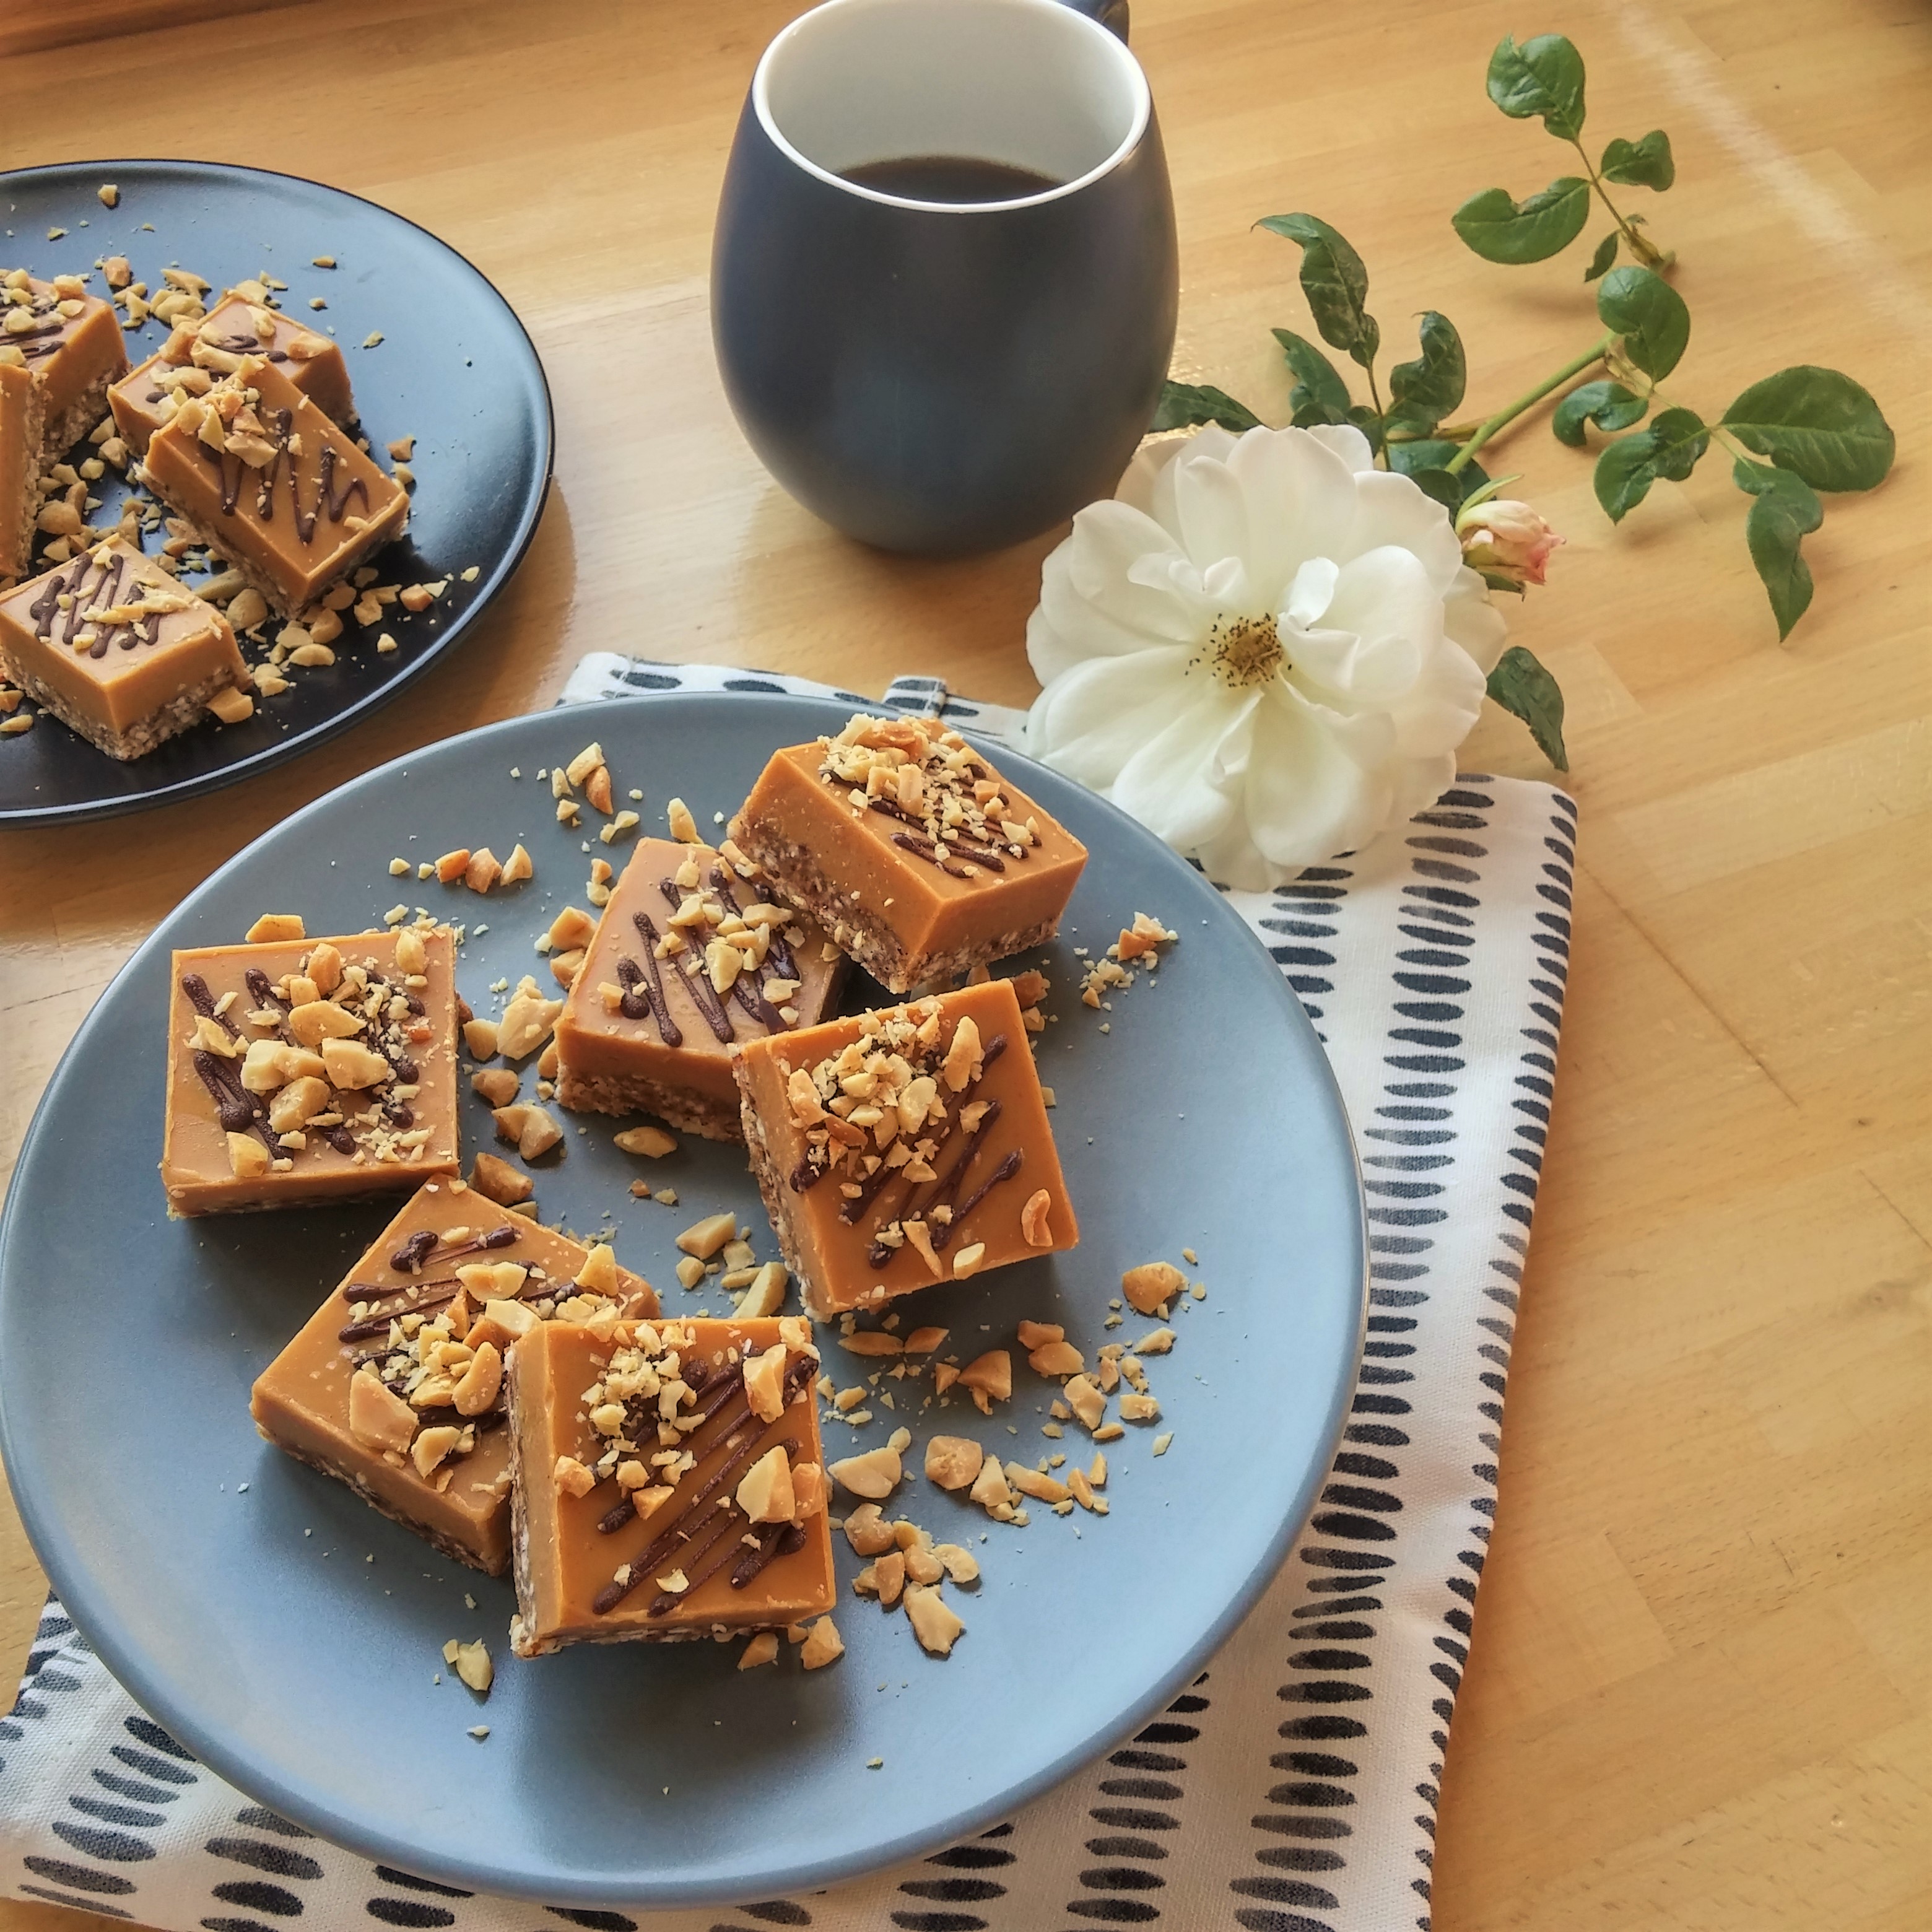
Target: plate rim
962 1820
287 750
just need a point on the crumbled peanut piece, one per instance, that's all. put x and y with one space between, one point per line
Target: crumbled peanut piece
761 1649
652 1142
1036 1334
1033 1227
275 929
923 1341
822 1646
479 1036
517 867
1137 1407
1056 1358
526 1022
1156 1342
875 1474
573 1477
989 1488
453 866
966 1260
497 1181
933 1621
952 1461
959 1563
683 827
704 1238
1086 1401
766 1294
990 1378
870 1342
1031 1482
483 870
580 767
1152 1285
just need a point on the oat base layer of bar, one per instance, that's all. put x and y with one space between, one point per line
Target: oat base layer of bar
794 873
138 740
676 1106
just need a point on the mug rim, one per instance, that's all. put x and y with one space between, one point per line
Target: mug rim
1116 50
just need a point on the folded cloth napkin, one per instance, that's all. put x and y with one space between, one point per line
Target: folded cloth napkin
1293 1787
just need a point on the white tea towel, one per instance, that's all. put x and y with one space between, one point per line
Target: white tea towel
1293 1787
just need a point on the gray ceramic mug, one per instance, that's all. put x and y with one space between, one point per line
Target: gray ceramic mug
943 377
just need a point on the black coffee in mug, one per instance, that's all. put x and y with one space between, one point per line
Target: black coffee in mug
955 178
943 279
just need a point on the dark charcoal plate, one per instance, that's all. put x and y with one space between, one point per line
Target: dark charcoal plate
454 369
250 1623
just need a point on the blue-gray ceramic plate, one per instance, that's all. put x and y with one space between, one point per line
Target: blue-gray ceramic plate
454 369
290 1636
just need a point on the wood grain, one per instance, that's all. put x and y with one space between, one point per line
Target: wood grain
1698 1694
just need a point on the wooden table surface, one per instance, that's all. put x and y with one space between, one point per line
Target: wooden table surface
1698 1694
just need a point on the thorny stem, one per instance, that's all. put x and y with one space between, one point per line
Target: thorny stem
1489 426
1646 250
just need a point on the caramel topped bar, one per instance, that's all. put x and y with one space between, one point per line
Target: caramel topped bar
669 1482
915 855
904 1147
198 354
23 405
117 649
395 1384
689 957
72 343
272 485
310 1070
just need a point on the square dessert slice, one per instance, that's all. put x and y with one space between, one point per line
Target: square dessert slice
669 1482
272 485
395 1384
21 407
72 342
689 956
117 650
905 1147
911 851
198 354
303 1070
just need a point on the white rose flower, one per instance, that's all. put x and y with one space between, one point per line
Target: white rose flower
1263 647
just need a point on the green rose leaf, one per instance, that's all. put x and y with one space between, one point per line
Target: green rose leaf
1607 404
1599 262
1650 316
1784 509
1521 686
1425 391
1319 395
1542 76
1335 282
1645 164
1669 448
1183 404
1817 422
1500 230
1365 420
1424 463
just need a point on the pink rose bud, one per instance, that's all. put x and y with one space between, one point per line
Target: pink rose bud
1507 539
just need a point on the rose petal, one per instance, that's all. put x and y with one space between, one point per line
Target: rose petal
1090 721
1470 620
1183 783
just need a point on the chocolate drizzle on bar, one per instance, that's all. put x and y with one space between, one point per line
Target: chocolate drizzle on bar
373 996
274 427
59 613
702 1535
928 779
643 986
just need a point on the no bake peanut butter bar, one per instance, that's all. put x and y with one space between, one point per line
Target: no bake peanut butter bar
198 354
669 1482
22 405
272 485
689 957
72 343
395 1385
118 650
303 1070
904 1146
914 854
